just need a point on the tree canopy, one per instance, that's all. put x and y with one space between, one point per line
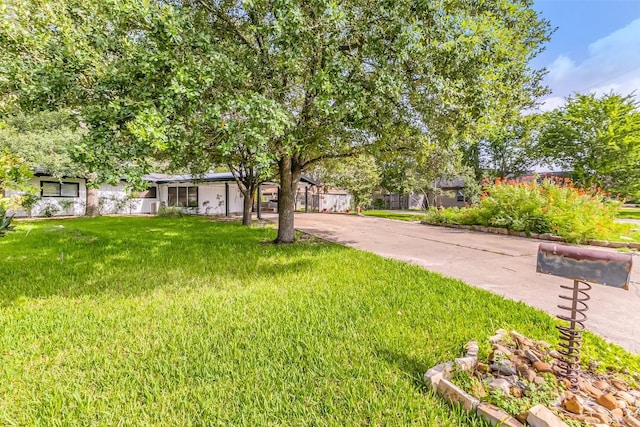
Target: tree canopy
295 82
359 176
597 140
43 140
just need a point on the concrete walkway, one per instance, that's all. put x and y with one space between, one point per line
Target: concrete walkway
501 264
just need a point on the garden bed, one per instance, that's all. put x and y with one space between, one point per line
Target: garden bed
522 383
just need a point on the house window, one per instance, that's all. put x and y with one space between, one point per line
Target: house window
59 189
183 197
149 193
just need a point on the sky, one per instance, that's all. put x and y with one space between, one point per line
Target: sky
595 48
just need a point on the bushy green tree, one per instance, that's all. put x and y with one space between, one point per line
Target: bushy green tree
14 186
43 140
508 150
359 176
597 139
154 79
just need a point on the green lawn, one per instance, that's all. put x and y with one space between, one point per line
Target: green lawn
154 321
401 216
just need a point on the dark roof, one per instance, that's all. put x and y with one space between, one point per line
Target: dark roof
161 178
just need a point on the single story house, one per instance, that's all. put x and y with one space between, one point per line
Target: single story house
208 194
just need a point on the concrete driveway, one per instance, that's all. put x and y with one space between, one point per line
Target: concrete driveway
501 264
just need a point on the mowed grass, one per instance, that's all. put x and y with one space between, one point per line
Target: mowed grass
400 216
167 322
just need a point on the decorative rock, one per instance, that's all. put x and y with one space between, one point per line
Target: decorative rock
502 350
574 405
608 401
540 416
500 384
499 336
617 413
622 404
635 393
466 363
454 394
601 384
538 379
531 356
555 354
627 397
472 348
631 421
503 367
602 418
620 384
496 416
527 373
522 340
590 389
542 367
433 376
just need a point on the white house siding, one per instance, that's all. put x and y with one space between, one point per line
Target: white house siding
115 199
211 198
57 206
335 202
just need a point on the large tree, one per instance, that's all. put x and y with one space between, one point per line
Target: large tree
508 150
597 140
333 79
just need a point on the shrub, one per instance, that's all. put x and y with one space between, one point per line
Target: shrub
170 212
5 222
553 205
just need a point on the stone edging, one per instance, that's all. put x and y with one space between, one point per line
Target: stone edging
438 379
545 236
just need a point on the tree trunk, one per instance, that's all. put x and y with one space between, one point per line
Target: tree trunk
247 205
92 209
289 177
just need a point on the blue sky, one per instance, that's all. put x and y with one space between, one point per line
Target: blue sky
596 48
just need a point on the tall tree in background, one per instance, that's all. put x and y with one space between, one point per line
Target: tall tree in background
334 79
359 176
597 139
422 172
509 150
48 141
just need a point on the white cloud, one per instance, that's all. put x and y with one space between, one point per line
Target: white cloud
561 68
613 64
551 103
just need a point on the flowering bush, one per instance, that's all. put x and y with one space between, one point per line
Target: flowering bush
551 205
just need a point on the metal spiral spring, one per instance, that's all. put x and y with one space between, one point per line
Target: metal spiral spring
572 333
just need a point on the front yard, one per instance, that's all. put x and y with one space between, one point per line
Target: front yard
156 321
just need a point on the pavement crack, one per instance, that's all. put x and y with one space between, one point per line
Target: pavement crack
465 246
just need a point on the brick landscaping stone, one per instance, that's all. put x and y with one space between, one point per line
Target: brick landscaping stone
540 416
433 376
496 416
455 394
